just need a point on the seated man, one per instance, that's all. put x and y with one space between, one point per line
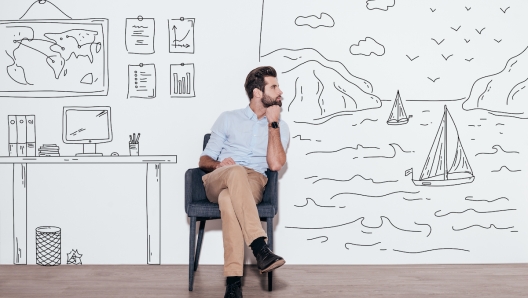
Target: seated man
243 144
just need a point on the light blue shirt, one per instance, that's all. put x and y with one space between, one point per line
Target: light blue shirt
239 134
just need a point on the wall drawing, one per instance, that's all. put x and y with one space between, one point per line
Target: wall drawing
181 35
355 195
140 33
53 57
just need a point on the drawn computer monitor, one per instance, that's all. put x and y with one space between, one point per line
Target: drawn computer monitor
87 126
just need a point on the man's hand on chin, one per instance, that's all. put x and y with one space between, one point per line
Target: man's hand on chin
273 113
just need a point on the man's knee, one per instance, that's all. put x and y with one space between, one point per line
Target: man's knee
237 171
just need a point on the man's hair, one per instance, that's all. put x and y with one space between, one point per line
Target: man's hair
255 79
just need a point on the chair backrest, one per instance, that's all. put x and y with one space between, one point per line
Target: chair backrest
207 136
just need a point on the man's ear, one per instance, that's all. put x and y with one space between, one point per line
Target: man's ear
257 93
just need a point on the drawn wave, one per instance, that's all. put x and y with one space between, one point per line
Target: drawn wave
361 222
497 148
356 244
344 113
310 199
310 177
505 167
326 238
300 138
471 209
353 148
394 146
430 228
373 196
489 201
357 175
487 228
430 250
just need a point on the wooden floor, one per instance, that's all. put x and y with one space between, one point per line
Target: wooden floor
289 281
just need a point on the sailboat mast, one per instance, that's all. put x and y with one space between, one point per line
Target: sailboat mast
445 142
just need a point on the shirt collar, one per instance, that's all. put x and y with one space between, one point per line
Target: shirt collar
249 113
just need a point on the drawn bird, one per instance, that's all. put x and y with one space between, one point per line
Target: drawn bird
438 42
480 31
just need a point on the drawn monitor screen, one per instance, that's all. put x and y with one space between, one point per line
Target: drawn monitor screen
87 125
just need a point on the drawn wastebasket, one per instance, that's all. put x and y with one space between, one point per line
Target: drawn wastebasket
48 246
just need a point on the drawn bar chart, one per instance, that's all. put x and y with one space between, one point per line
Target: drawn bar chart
182 80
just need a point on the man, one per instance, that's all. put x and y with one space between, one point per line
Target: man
243 144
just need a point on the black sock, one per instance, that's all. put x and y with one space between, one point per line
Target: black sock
257 245
232 279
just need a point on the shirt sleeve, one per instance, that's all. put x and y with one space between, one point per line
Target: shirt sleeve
285 134
218 137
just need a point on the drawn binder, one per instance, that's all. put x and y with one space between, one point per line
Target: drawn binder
31 147
12 135
21 135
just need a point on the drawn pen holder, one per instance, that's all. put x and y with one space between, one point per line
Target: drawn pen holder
133 148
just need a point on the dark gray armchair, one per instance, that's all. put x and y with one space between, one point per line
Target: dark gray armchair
199 208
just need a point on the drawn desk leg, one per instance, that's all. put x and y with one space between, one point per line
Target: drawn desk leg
153 213
20 214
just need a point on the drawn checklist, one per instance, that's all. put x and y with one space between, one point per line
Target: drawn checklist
142 81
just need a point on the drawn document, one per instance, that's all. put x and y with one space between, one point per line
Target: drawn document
140 36
182 80
142 81
181 35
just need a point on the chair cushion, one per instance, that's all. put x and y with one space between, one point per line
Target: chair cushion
204 208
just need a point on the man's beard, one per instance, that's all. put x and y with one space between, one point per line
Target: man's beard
268 101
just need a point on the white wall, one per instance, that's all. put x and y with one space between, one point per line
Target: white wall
344 198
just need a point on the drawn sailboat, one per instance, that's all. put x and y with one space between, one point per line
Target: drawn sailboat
435 171
398 115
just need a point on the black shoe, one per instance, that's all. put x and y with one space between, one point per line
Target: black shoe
267 260
234 290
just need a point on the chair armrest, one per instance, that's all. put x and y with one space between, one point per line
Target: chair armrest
194 189
271 192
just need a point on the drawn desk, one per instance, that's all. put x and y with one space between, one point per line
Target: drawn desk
153 195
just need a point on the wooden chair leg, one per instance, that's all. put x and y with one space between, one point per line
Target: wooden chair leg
199 246
192 243
269 227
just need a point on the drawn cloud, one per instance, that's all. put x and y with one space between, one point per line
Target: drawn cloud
380 4
324 20
367 47
322 87
504 92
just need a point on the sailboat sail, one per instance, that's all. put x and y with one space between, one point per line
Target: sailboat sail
398 115
435 172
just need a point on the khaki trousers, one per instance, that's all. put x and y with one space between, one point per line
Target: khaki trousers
237 190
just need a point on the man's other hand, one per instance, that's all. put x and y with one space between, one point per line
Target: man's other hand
226 162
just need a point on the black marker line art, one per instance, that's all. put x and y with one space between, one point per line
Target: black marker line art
50 8
181 35
499 124
350 179
430 228
429 250
311 177
367 119
422 124
432 10
467 40
487 228
318 238
506 168
310 199
480 31
417 199
351 222
182 80
426 111
313 21
365 232
471 209
142 81
504 10
398 115
343 92
498 41
498 148
468 198
469 60
394 146
412 59
373 196
445 58
74 52
438 42
295 94
433 80
435 171
260 34
344 148
367 47
74 257
514 231
357 244
301 139
456 28
139 35
380 4
467 8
